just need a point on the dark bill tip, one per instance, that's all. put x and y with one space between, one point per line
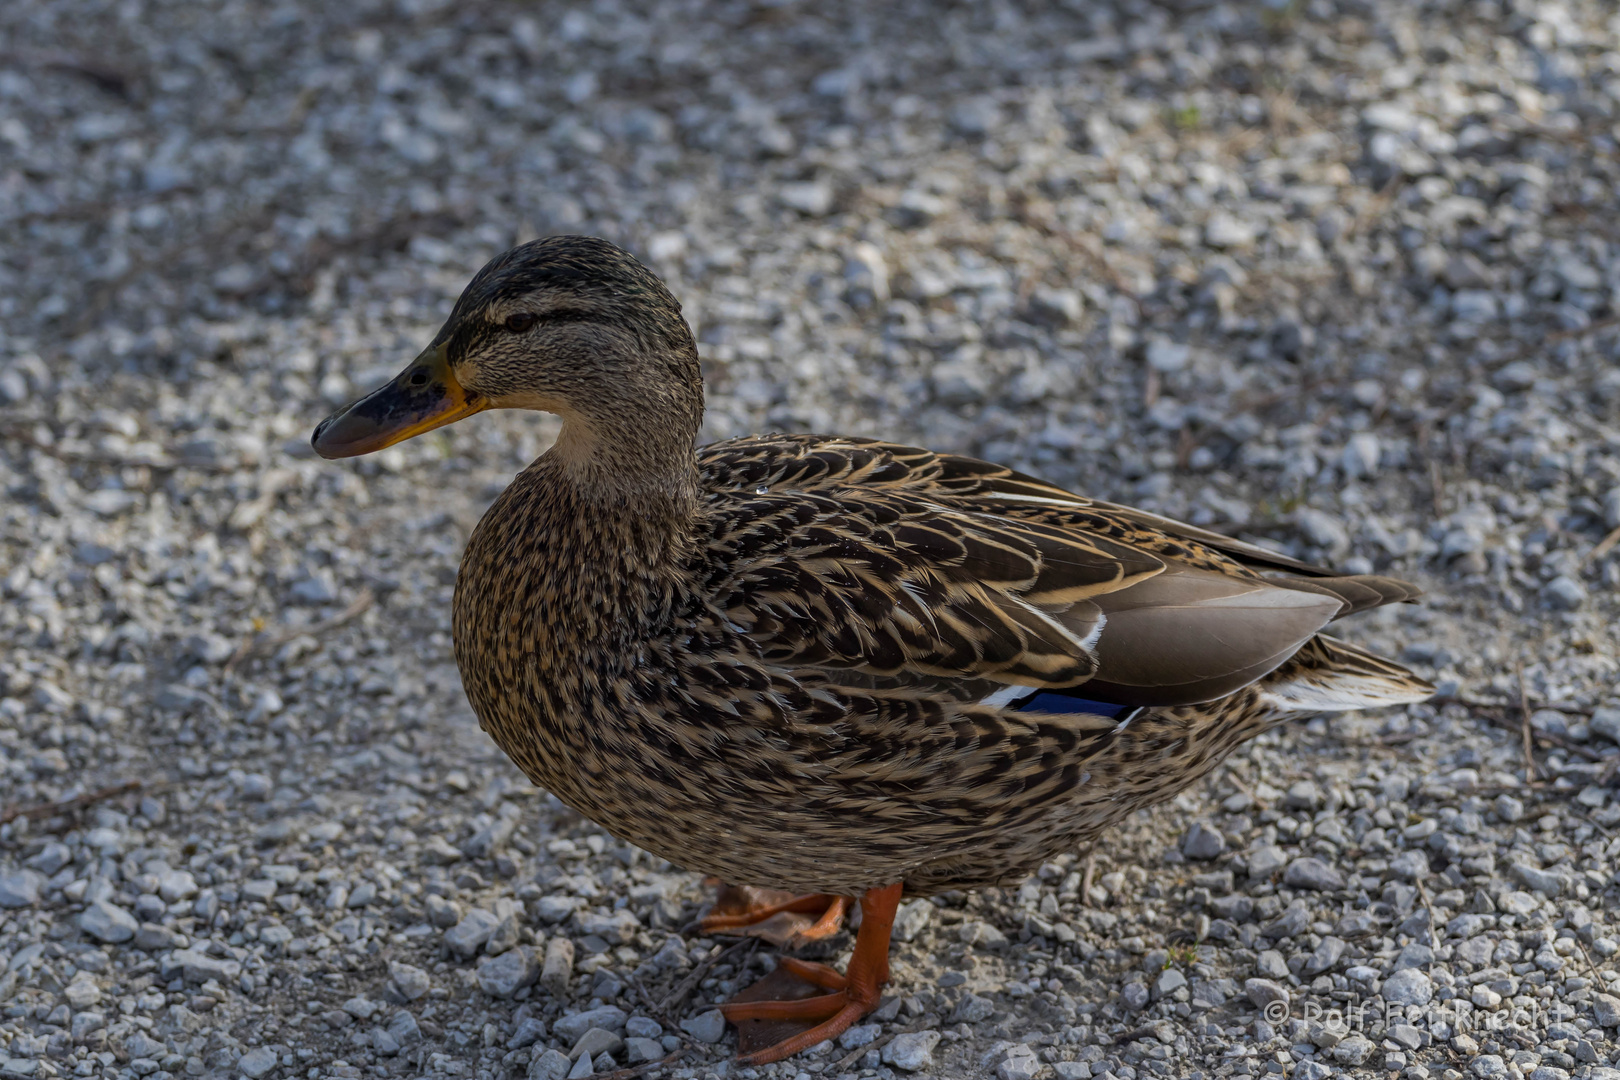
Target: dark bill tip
424 396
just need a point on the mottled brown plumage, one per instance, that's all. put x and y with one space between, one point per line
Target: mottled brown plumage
801 661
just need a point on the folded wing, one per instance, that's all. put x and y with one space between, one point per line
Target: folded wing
903 566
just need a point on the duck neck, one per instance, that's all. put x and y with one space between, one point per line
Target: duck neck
582 557
650 473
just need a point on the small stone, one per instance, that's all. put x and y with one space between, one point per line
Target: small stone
1324 956
982 935
490 839
910 920
1166 356
644 1027
1322 529
530 1030
551 1065
556 909
1416 955
361 1008
619 928
443 913
912 1051
1266 860
1203 842
82 993
639 1050
1020 1063
152 937
1353 1050
1304 795
407 983
1606 1010
1271 965
1409 986
1057 307
51 858
86 1022
975 118
1510 809
813 199
1362 453
972 1009
20 888
1290 924
1563 593
404 1028
1169 981
705 1027
1538 880
595 1042
1311 1070
504 936
1223 230
859 1035
1517 376
1410 865
570 1028
468 936
1135 995
257 1062
1313 873
441 851
383 1042
1488 1066
108 922
198 967
559 966
1263 992
504 975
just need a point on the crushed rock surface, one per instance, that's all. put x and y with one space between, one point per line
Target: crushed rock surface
1336 277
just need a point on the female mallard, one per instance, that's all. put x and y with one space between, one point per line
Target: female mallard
834 665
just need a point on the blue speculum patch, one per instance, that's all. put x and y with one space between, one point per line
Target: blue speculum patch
1047 701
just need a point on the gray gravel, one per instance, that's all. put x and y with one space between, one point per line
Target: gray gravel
1338 277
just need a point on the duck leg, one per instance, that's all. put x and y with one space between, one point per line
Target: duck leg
851 996
754 913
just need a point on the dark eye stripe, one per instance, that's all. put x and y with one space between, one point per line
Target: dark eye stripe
523 321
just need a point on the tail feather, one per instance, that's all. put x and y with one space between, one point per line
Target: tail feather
1358 592
1329 675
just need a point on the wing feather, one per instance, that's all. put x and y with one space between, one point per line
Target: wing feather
895 564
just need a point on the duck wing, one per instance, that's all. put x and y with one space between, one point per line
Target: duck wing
896 565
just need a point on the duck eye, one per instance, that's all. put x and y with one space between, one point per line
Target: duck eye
519 322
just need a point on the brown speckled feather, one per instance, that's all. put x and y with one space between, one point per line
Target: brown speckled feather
789 696
831 664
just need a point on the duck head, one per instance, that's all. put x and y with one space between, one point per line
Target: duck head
571 325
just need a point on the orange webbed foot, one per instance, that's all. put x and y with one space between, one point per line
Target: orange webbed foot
850 997
784 920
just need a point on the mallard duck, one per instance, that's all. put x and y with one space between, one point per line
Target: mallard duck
838 666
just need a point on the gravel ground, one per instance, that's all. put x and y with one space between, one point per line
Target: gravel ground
1340 277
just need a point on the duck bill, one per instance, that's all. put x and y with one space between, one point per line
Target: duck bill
424 396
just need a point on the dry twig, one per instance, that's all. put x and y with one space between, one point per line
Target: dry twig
1604 546
686 986
264 643
1524 729
78 802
